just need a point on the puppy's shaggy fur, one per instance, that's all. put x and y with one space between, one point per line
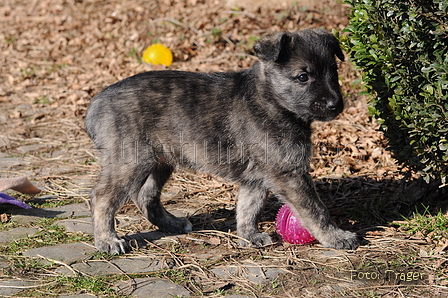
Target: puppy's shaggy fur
252 127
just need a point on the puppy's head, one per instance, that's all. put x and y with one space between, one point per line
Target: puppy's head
301 72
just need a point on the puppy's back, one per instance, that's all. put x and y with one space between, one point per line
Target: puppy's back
162 100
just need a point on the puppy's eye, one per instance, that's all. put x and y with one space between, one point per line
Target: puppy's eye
303 78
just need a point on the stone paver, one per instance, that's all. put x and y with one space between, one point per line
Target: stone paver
156 237
27 216
76 296
4 141
16 233
125 220
252 272
14 286
118 266
30 148
152 287
8 162
3 263
66 253
82 225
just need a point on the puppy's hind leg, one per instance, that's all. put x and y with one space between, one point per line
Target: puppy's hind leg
250 204
148 201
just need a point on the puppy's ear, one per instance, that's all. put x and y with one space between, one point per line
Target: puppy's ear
330 40
334 43
272 47
337 48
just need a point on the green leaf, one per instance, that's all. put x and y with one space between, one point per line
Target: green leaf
443 146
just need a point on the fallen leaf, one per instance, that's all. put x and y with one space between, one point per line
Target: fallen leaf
441 247
4 218
213 241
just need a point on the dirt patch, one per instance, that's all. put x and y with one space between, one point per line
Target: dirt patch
56 55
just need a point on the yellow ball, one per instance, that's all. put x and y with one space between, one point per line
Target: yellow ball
158 54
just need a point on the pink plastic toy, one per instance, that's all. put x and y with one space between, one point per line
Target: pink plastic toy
290 228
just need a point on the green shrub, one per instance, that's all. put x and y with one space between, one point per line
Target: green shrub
401 47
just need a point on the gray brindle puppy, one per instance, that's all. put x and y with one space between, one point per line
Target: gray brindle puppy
251 126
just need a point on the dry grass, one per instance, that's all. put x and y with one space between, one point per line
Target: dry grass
55 55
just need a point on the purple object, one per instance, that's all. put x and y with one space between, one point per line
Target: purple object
5 199
290 228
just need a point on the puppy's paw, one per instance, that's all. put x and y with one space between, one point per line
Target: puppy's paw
256 240
187 226
114 245
341 239
173 225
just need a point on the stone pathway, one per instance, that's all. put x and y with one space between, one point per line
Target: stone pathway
76 258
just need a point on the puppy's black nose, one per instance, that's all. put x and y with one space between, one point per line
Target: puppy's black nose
332 105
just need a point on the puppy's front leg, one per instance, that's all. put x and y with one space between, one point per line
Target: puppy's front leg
250 204
299 192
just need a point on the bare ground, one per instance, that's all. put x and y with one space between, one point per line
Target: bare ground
56 55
